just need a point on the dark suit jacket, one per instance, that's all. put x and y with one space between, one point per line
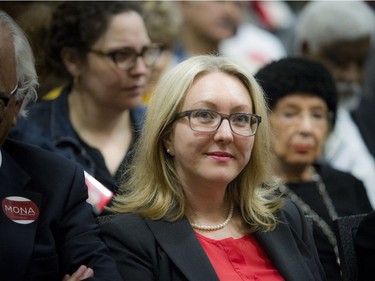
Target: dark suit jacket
363 117
64 235
365 248
159 250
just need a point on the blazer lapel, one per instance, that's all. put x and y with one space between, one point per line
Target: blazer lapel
182 246
13 181
286 256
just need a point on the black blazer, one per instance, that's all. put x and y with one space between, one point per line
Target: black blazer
365 248
64 235
159 250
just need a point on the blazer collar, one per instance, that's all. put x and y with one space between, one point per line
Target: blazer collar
182 246
288 253
288 257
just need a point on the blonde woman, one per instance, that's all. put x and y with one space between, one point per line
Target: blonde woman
197 204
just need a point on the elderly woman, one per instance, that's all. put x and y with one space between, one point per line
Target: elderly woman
199 204
303 101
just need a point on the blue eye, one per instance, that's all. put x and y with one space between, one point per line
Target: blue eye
241 118
204 114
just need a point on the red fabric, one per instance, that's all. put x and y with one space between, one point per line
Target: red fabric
239 259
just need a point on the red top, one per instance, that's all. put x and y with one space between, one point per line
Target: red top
239 259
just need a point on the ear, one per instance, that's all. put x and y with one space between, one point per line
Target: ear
17 109
168 144
72 61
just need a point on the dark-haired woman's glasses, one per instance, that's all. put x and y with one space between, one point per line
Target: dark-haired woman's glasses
126 58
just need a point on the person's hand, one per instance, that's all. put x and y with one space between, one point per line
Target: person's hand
82 273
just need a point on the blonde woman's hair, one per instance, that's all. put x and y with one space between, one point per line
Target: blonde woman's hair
153 189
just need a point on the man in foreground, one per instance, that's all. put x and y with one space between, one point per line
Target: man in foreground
47 229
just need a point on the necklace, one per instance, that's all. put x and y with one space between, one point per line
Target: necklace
321 223
215 227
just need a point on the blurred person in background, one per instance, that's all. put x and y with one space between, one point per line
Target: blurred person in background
48 231
340 35
104 50
163 22
34 17
254 45
303 100
205 24
35 21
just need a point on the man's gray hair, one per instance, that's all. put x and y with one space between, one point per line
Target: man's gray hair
321 23
25 63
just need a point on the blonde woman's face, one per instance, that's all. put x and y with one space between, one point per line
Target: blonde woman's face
300 125
214 158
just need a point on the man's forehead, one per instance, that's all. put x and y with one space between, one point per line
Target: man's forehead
7 59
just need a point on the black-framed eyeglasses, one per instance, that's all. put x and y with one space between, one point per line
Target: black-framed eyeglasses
206 121
4 100
126 58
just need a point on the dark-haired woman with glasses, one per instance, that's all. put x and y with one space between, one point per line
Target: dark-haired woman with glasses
198 203
105 52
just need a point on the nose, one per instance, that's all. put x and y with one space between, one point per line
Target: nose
224 132
306 123
353 72
139 67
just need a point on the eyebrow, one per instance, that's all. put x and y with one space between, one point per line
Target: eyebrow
209 104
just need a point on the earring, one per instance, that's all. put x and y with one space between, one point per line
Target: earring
168 151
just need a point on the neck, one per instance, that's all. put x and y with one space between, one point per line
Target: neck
85 114
195 44
215 226
295 173
212 220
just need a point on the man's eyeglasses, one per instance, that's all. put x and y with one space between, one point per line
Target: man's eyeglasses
4 100
206 121
126 58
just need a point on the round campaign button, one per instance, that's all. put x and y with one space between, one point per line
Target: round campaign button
20 209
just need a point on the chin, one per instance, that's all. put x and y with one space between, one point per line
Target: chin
130 104
301 162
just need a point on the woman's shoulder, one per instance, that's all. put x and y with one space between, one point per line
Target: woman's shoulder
127 229
330 174
119 218
289 207
123 223
291 214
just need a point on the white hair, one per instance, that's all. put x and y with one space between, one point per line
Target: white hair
321 23
25 62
